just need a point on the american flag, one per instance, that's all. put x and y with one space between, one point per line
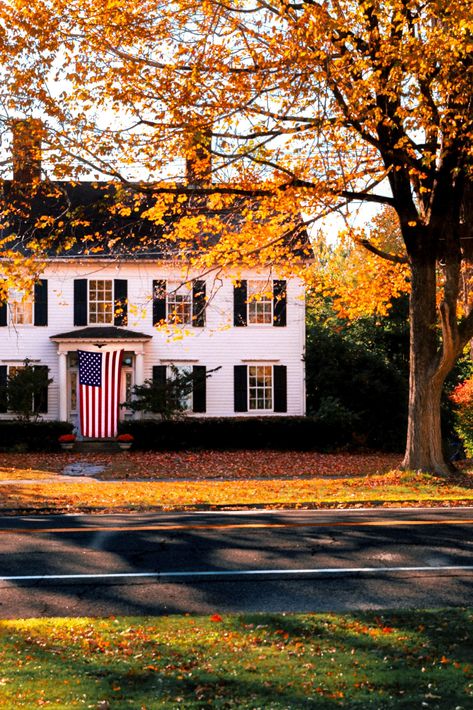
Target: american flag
99 392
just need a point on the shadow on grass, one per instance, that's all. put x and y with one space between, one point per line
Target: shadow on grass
391 661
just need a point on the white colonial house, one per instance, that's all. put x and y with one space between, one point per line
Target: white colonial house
144 302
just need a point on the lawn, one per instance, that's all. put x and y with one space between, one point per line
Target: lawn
392 488
409 659
200 480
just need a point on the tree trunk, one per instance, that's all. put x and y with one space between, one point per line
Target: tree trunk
424 450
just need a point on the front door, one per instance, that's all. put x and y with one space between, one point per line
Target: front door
126 385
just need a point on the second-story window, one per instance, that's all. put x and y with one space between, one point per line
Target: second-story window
21 307
260 303
179 306
101 301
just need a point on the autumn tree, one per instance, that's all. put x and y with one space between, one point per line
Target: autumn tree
311 106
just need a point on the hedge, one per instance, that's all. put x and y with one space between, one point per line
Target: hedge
280 433
31 436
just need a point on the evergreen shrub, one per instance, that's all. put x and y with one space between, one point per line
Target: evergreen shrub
230 433
32 436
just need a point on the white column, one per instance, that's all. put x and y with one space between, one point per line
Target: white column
139 375
62 386
139 368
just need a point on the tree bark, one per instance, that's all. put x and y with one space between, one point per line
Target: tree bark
428 369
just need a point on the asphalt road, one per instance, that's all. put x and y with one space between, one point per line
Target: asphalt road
82 565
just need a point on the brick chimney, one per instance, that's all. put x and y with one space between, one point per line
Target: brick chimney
26 151
199 159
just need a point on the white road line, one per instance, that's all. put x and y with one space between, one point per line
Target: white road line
235 573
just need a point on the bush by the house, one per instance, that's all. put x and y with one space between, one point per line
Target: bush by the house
280 433
462 397
32 436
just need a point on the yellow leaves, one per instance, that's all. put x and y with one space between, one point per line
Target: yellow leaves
359 282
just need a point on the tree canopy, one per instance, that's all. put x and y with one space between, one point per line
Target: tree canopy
302 106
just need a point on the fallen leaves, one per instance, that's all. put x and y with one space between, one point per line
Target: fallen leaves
195 465
394 487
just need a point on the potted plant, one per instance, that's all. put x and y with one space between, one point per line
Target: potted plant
124 441
67 441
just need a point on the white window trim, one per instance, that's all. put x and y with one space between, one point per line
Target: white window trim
265 284
179 290
89 301
180 365
28 298
261 364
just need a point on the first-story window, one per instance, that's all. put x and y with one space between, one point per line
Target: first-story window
101 301
181 375
180 388
21 307
260 387
24 389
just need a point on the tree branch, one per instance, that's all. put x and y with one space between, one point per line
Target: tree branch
395 258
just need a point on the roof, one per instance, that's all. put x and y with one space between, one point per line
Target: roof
100 220
101 332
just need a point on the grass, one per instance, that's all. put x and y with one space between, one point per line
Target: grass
394 487
409 659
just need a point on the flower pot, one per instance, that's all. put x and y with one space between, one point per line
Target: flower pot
124 445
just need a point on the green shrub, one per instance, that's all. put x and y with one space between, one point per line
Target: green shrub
31 436
231 433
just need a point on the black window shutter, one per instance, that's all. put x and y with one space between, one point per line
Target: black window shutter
280 388
80 301
198 304
240 388
41 302
3 312
41 398
159 301
279 302
120 305
3 388
199 388
159 380
240 295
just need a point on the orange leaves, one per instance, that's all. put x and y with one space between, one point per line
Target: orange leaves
359 281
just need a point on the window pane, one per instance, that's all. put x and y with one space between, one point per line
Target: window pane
21 307
101 301
179 308
260 303
260 387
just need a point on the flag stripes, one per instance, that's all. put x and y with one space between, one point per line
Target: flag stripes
99 392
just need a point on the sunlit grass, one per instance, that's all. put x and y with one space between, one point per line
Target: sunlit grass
389 488
409 659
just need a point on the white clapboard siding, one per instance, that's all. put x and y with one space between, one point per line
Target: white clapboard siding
218 344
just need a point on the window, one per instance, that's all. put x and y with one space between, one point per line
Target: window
179 306
260 387
73 389
24 389
101 301
21 307
260 303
